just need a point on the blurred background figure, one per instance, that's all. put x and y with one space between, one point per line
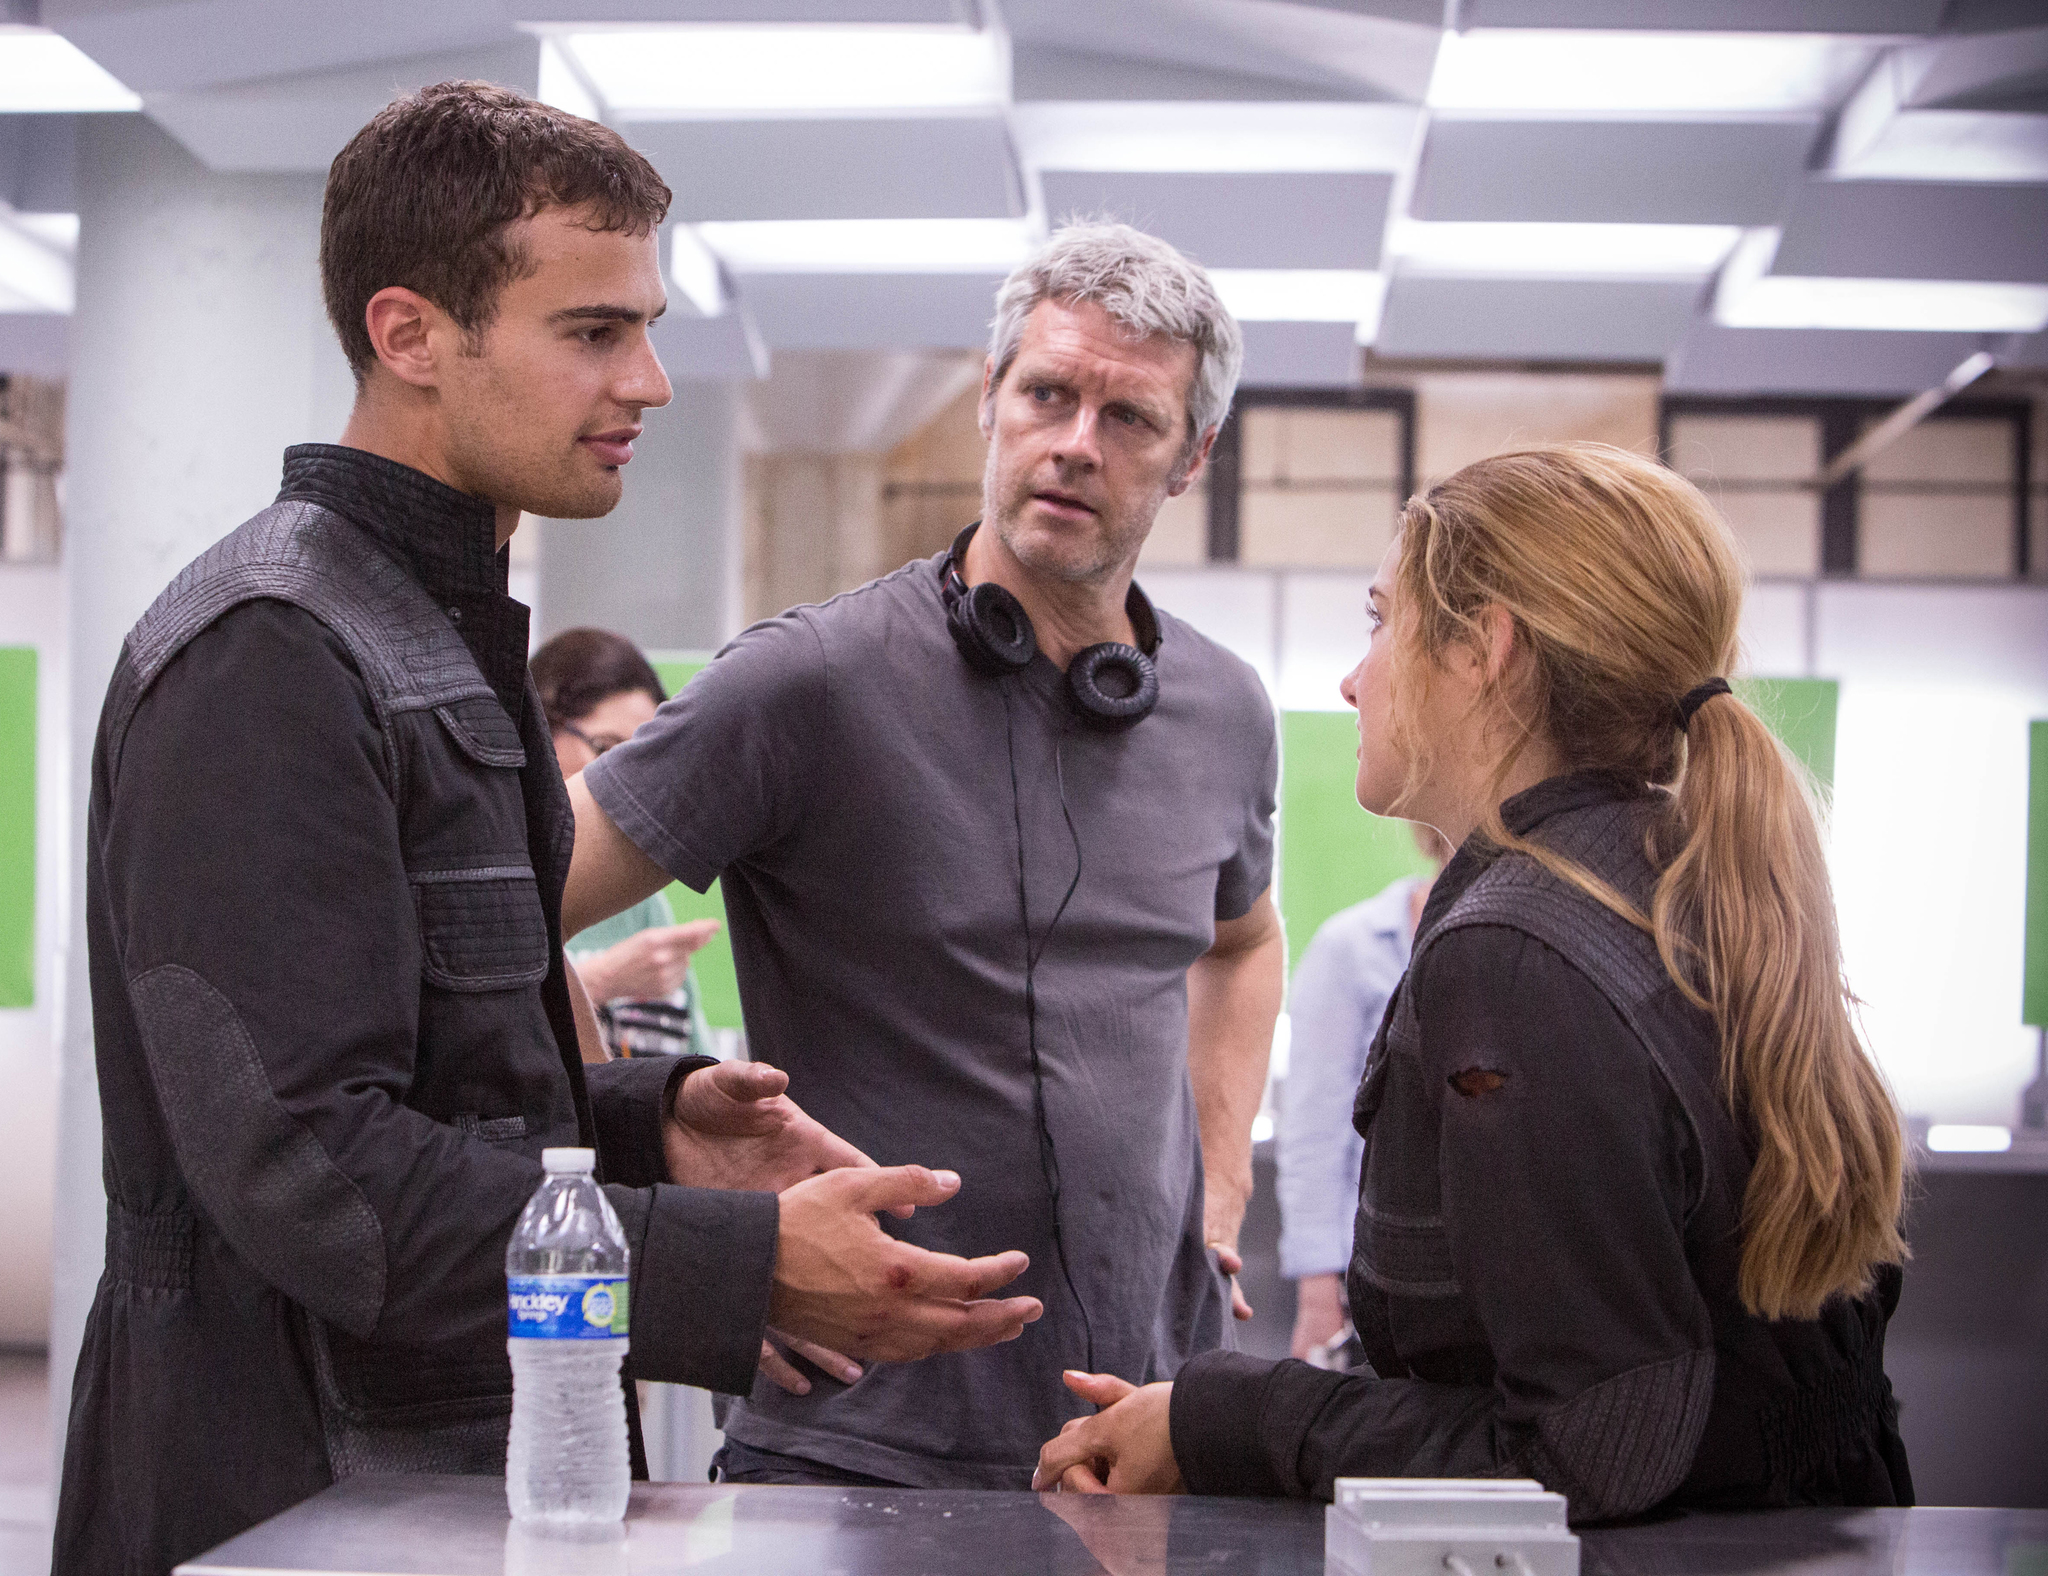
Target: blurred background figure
597 688
1340 991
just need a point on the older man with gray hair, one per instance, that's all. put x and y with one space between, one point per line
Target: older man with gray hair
996 843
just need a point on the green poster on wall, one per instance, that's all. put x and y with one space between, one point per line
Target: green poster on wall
17 826
1801 712
715 974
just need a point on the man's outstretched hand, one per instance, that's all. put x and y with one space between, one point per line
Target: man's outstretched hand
731 1126
843 1282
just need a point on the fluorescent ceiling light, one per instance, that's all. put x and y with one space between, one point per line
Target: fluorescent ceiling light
1564 71
1300 295
1749 295
1630 251
1203 138
44 73
711 69
870 246
694 270
1957 1138
1953 306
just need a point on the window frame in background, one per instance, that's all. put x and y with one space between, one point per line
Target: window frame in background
1226 459
1841 423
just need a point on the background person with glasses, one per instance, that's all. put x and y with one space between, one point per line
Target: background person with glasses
597 688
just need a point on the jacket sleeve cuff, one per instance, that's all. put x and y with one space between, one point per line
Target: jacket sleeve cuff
703 1261
1214 1419
629 1097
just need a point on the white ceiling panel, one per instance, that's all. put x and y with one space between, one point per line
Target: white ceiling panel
1300 355
1244 138
1647 172
1058 72
750 12
300 123
1578 74
1239 221
178 45
1732 16
1338 53
833 169
1916 230
1535 319
872 311
1716 360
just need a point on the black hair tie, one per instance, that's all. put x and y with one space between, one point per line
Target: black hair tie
1697 697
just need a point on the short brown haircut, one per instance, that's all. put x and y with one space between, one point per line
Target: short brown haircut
422 196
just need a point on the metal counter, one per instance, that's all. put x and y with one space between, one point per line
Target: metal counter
451 1526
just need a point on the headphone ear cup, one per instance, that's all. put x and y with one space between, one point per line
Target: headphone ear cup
1113 686
992 630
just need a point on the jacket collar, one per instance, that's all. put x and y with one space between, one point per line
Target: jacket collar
1521 815
446 540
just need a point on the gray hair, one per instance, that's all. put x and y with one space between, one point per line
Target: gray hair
1146 286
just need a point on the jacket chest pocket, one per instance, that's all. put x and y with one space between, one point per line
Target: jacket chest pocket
1399 1243
481 929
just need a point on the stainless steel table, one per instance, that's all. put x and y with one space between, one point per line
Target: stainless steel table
450 1526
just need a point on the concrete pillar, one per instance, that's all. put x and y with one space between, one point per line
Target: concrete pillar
662 569
199 352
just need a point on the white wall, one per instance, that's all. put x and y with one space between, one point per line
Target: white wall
32 613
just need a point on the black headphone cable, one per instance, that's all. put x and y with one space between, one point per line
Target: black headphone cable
1048 1155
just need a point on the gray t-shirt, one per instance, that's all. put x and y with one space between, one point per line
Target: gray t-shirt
848 776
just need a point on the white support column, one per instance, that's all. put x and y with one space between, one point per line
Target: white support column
199 351
662 569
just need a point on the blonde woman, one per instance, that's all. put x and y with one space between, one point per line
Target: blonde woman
1629 1214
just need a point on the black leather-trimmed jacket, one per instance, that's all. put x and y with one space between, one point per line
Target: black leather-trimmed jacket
1545 1257
326 851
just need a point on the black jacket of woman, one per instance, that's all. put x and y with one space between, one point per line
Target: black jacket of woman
1544 1265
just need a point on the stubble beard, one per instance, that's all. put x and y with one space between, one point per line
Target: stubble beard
550 488
1084 557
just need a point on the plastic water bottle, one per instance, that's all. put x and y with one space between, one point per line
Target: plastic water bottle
565 1275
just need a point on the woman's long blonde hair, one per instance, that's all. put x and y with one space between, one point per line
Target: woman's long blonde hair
1624 588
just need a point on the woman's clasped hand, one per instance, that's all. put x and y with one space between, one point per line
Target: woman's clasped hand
1125 1448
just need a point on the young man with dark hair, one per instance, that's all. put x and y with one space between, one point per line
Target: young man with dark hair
326 851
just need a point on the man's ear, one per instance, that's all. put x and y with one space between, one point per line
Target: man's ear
408 332
1187 477
985 413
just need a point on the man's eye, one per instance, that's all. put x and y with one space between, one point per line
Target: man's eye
1041 393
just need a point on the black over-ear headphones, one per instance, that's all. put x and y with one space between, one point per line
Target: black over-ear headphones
1111 686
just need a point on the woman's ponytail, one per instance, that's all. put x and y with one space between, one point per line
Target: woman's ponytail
1744 917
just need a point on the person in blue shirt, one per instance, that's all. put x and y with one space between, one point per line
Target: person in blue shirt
1339 991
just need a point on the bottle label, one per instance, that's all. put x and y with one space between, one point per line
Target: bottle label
567 1307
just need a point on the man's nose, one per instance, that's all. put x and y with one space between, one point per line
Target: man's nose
1079 443
644 385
